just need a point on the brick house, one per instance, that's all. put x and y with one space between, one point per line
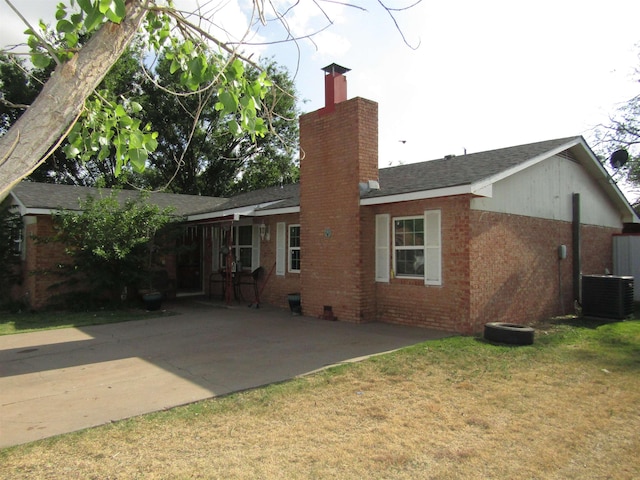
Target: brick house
451 243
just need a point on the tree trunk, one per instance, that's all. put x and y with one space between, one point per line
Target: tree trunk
22 148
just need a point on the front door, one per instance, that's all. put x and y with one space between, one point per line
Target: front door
190 260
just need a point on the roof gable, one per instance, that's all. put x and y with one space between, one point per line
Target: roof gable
460 170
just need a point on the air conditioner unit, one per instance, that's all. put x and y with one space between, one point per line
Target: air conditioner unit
607 296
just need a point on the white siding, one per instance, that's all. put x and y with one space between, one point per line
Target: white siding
545 191
626 259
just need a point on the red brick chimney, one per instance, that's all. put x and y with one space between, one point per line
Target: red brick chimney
335 86
339 147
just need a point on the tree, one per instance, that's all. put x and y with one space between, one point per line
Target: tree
109 27
10 238
21 83
622 132
110 245
197 154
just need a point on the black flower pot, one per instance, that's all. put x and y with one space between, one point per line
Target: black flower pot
294 303
152 301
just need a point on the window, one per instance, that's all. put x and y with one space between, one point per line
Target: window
244 245
408 234
241 246
294 248
416 247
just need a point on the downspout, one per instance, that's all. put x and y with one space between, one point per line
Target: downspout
577 267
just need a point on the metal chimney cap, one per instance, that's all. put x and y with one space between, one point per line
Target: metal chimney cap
335 68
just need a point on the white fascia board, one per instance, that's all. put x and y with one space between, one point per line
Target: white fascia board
246 211
16 201
43 211
611 187
242 211
276 211
484 190
420 195
40 211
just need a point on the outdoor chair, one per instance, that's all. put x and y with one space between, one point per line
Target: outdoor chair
249 279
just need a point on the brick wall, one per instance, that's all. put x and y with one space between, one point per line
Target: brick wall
410 301
516 275
495 267
339 150
36 288
597 249
275 288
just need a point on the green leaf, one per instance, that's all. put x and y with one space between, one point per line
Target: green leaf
135 107
65 26
61 12
234 128
150 144
33 41
72 39
120 9
229 101
71 151
138 158
86 5
120 111
93 19
135 140
40 60
104 5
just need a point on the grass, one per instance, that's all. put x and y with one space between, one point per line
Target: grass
459 408
48 320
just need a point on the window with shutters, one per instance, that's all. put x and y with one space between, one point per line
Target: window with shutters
415 244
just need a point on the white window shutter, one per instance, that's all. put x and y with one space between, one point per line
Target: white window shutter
382 248
281 248
432 248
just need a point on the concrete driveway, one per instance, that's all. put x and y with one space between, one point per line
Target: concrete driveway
60 381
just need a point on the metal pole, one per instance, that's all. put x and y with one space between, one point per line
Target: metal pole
577 266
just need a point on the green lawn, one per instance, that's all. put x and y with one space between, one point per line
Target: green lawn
11 323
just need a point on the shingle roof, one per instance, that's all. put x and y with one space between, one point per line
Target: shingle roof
285 196
424 176
459 170
49 196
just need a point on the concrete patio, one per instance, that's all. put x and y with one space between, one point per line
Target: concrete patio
59 381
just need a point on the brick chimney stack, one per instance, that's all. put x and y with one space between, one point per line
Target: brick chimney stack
339 147
335 86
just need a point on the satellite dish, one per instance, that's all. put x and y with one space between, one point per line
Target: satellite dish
619 158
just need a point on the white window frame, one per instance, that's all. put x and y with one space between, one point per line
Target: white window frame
237 245
411 247
431 248
291 249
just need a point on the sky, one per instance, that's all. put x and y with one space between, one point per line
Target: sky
474 76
